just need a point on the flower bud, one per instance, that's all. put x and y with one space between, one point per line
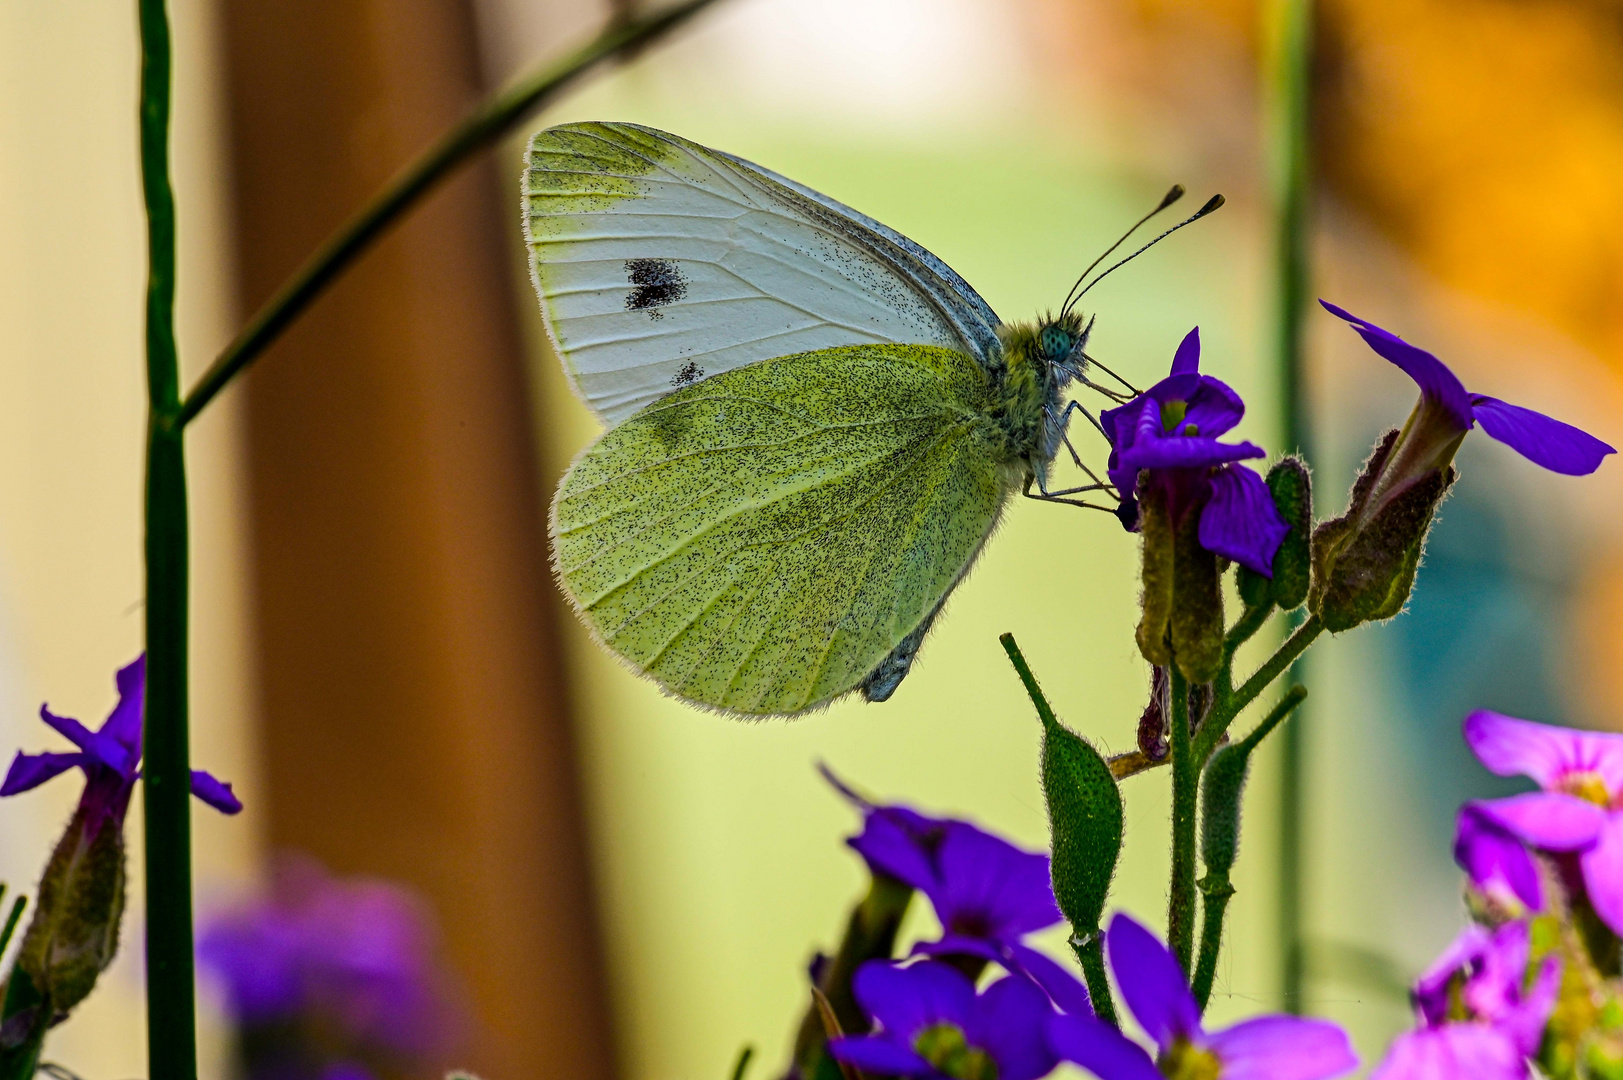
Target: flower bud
1364 562
1085 818
1221 790
1292 490
1182 620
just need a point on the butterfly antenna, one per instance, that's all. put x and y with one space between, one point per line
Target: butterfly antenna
1211 204
1167 200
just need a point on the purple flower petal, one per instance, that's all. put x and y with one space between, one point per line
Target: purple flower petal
960 945
29 771
1240 521
1540 439
879 1055
1495 860
1431 989
1283 1048
1453 1052
889 846
1185 452
1213 408
215 792
1603 873
1525 1022
1063 988
1186 361
124 722
1546 753
990 888
1545 819
67 727
1151 982
1100 1049
1009 1021
1433 377
905 1000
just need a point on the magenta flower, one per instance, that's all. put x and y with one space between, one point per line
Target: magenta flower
324 971
110 758
1446 412
987 893
1479 1019
1579 809
933 1025
1153 986
1172 430
1498 864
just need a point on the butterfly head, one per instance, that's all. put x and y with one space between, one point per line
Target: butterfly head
1059 344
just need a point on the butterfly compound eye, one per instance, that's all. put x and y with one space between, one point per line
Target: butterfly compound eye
1056 343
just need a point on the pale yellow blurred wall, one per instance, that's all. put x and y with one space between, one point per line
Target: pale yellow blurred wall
72 415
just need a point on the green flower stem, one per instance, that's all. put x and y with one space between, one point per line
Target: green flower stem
1091 955
1215 887
1185 793
1225 710
171 1041
489 121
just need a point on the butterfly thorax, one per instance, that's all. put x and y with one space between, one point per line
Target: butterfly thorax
1039 360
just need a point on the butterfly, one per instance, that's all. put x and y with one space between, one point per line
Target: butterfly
813 423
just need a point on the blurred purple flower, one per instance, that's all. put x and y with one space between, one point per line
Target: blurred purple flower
1476 1020
1498 864
1581 774
353 959
1447 412
1153 986
109 757
933 1025
987 893
1172 430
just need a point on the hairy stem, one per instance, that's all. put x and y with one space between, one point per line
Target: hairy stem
1224 712
1091 955
489 121
171 1041
1216 901
1185 794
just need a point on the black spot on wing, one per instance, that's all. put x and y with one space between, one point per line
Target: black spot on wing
689 373
655 283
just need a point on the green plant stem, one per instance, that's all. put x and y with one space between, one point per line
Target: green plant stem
1291 82
1091 955
1224 712
1215 887
489 121
171 1041
1185 795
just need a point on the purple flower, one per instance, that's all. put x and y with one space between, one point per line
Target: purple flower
1581 774
1153 986
1479 1018
110 758
351 957
987 893
933 1025
1172 431
1497 862
1446 412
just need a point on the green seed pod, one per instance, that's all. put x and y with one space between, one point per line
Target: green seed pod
1197 612
1221 791
1085 819
1155 529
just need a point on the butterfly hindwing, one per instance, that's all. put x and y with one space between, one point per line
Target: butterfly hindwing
761 541
660 262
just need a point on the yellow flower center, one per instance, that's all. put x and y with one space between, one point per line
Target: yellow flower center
944 1046
1587 786
1172 414
1186 1061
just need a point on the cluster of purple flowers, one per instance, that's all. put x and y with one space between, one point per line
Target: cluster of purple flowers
330 979
1547 867
932 1023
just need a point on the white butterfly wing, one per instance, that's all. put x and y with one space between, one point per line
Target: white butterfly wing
660 262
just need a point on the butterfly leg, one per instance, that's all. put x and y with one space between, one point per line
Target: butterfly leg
1058 496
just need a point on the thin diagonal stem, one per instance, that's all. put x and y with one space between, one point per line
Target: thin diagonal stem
171 1041
1272 668
492 119
1185 796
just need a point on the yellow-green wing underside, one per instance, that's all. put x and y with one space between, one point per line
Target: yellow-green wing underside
762 541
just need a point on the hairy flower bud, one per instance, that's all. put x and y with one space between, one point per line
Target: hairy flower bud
1292 489
1364 562
1182 620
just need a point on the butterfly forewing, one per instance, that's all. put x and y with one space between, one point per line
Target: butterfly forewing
760 541
660 263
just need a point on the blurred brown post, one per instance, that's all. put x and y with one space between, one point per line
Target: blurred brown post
414 710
